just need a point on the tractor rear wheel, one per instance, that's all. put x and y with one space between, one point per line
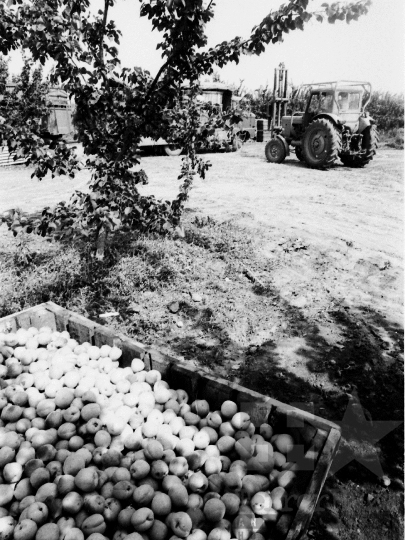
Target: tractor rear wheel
321 144
369 147
275 151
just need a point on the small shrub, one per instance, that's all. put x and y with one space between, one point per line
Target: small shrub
394 138
387 109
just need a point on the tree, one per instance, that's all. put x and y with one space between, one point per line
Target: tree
116 106
3 75
24 107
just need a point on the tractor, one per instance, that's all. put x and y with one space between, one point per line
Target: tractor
332 125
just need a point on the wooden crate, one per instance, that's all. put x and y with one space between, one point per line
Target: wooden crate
317 439
7 159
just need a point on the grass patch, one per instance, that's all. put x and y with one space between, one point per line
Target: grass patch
140 276
393 138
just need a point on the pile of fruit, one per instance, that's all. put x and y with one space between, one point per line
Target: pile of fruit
89 449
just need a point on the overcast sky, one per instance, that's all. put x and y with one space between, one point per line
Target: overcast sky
372 48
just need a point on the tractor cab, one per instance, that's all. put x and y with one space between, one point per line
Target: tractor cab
342 101
319 102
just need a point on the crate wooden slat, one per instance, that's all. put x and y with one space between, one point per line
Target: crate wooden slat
311 496
7 159
317 439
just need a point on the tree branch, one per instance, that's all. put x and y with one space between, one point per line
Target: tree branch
156 79
101 52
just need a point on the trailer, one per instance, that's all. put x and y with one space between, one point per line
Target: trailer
221 96
58 122
56 125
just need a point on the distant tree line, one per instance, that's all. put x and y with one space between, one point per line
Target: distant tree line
387 109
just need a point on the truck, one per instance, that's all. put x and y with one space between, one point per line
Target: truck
220 95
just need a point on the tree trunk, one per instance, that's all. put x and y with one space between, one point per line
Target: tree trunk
101 243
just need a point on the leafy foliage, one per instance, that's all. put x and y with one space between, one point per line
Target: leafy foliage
23 113
258 101
387 109
3 75
116 107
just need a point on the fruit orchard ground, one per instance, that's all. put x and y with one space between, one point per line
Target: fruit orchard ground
300 274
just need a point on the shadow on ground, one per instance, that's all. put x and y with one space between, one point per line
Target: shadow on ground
358 386
357 370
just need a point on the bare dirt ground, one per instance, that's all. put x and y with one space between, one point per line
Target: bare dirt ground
308 309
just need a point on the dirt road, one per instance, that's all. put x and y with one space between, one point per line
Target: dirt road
352 216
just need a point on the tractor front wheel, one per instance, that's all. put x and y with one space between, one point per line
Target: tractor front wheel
369 145
275 151
321 144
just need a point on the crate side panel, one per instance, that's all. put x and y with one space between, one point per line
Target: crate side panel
309 500
294 497
61 314
23 316
43 317
23 320
9 323
285 409
163 366
214 390
161 362
279 420
304 428
81 329
299 418
185 378
258 406
283 525
105 336
130 349
319 440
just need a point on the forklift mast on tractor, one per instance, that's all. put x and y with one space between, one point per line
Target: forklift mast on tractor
333 123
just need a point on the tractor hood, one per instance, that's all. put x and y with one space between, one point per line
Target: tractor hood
296 120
